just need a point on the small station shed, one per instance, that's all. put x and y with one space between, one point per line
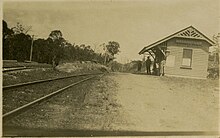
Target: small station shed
185 53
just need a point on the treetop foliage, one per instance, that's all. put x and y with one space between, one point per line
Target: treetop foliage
113 47
17 46
56 34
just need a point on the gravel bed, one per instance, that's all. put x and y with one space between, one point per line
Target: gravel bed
91 105
14 98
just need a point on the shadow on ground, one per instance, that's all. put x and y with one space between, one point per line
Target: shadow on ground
12 131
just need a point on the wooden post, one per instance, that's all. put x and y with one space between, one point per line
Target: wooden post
32 41
161 51
151 55
105 61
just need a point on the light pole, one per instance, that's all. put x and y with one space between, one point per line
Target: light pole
32 41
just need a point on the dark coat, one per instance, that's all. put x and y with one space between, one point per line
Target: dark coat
148 62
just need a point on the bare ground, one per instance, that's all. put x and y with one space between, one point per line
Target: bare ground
168 104
128 102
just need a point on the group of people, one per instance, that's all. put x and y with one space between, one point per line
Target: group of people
158 67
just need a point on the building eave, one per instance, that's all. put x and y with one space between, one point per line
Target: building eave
175 35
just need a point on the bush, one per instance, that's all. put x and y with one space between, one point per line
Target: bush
213 73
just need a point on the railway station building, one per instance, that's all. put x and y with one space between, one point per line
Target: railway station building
185 53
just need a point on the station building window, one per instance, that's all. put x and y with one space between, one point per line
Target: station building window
187 58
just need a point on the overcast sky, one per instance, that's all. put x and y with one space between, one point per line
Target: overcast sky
132 24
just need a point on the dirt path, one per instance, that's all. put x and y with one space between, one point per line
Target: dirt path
161 104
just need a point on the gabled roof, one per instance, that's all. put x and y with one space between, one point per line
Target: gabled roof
189 32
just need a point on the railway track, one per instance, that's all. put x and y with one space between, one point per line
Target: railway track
19 68
9 69
20 109
46 80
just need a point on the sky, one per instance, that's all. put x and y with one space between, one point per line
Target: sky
134 24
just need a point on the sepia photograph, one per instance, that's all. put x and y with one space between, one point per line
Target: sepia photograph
100 68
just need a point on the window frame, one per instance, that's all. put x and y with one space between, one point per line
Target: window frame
186 66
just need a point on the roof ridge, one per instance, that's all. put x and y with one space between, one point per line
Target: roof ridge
173 35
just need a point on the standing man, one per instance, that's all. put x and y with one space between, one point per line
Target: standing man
162 64
148 63
156 68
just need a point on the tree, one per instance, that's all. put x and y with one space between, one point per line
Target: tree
21 46
69 52
16 44
213 68
6 31
216 47
40 51
7 34
111 49
56 44
56 34
19 28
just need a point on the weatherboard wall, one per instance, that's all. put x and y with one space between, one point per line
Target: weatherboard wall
199 62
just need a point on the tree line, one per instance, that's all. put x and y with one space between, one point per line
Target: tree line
17 46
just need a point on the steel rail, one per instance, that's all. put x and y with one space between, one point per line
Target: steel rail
47 80
18 66
13 112
15 69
